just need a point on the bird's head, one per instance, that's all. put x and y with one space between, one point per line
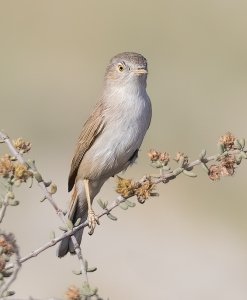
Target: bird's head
126 67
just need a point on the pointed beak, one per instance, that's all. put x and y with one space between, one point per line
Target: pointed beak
140 71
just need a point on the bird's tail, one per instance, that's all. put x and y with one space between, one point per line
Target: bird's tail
78 209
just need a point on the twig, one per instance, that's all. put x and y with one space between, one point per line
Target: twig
54 241
161 178
47 195
165 178
5 204
16 269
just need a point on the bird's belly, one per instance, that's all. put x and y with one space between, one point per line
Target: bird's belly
111 152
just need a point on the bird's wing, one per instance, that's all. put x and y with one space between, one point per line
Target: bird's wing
90 131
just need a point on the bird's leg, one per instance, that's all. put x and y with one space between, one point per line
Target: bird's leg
92 218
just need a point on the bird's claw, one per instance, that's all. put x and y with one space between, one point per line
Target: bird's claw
92 221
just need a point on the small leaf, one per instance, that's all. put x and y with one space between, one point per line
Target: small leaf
63 228
237 144
242 142
53 188
166 168
202 154
14 203
8 293
76 272
130 204
221 148
154 194
69 224
189 173
123 205
205 167
31 182
17 182
7 273
88 291
43 199
78 221
102 204
90 270
10 195
244 155
38 176
238 159
110 216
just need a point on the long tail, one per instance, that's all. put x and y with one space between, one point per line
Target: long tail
78 209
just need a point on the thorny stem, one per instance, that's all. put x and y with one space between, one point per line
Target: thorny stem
48 196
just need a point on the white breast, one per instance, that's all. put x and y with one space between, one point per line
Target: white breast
127 120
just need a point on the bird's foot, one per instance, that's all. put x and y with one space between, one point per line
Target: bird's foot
92 221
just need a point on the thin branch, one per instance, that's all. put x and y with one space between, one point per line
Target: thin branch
16 268
161 178
166 177
54 241
47 195
5 204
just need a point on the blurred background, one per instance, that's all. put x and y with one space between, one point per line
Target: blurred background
191 242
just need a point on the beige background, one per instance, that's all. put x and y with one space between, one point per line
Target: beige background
191 242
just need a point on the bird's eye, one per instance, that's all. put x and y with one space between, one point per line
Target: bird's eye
120 67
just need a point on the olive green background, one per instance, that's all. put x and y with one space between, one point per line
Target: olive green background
191 242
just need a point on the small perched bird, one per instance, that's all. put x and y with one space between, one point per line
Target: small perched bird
110 138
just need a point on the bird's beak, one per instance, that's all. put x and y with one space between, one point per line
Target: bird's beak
140 71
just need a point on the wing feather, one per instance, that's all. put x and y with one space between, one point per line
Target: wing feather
90 131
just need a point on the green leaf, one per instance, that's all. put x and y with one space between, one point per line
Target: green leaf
242 142
202 154
124 205
130 204
8 293
43 199
205 167
238 159
111 217
78 221
102 204
63 228
237 144
244 155
90 270
88 291
166 168
189 173
38 176
69 224
221 148
14 203
76 272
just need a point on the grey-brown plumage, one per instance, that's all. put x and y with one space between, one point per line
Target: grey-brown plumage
110 138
